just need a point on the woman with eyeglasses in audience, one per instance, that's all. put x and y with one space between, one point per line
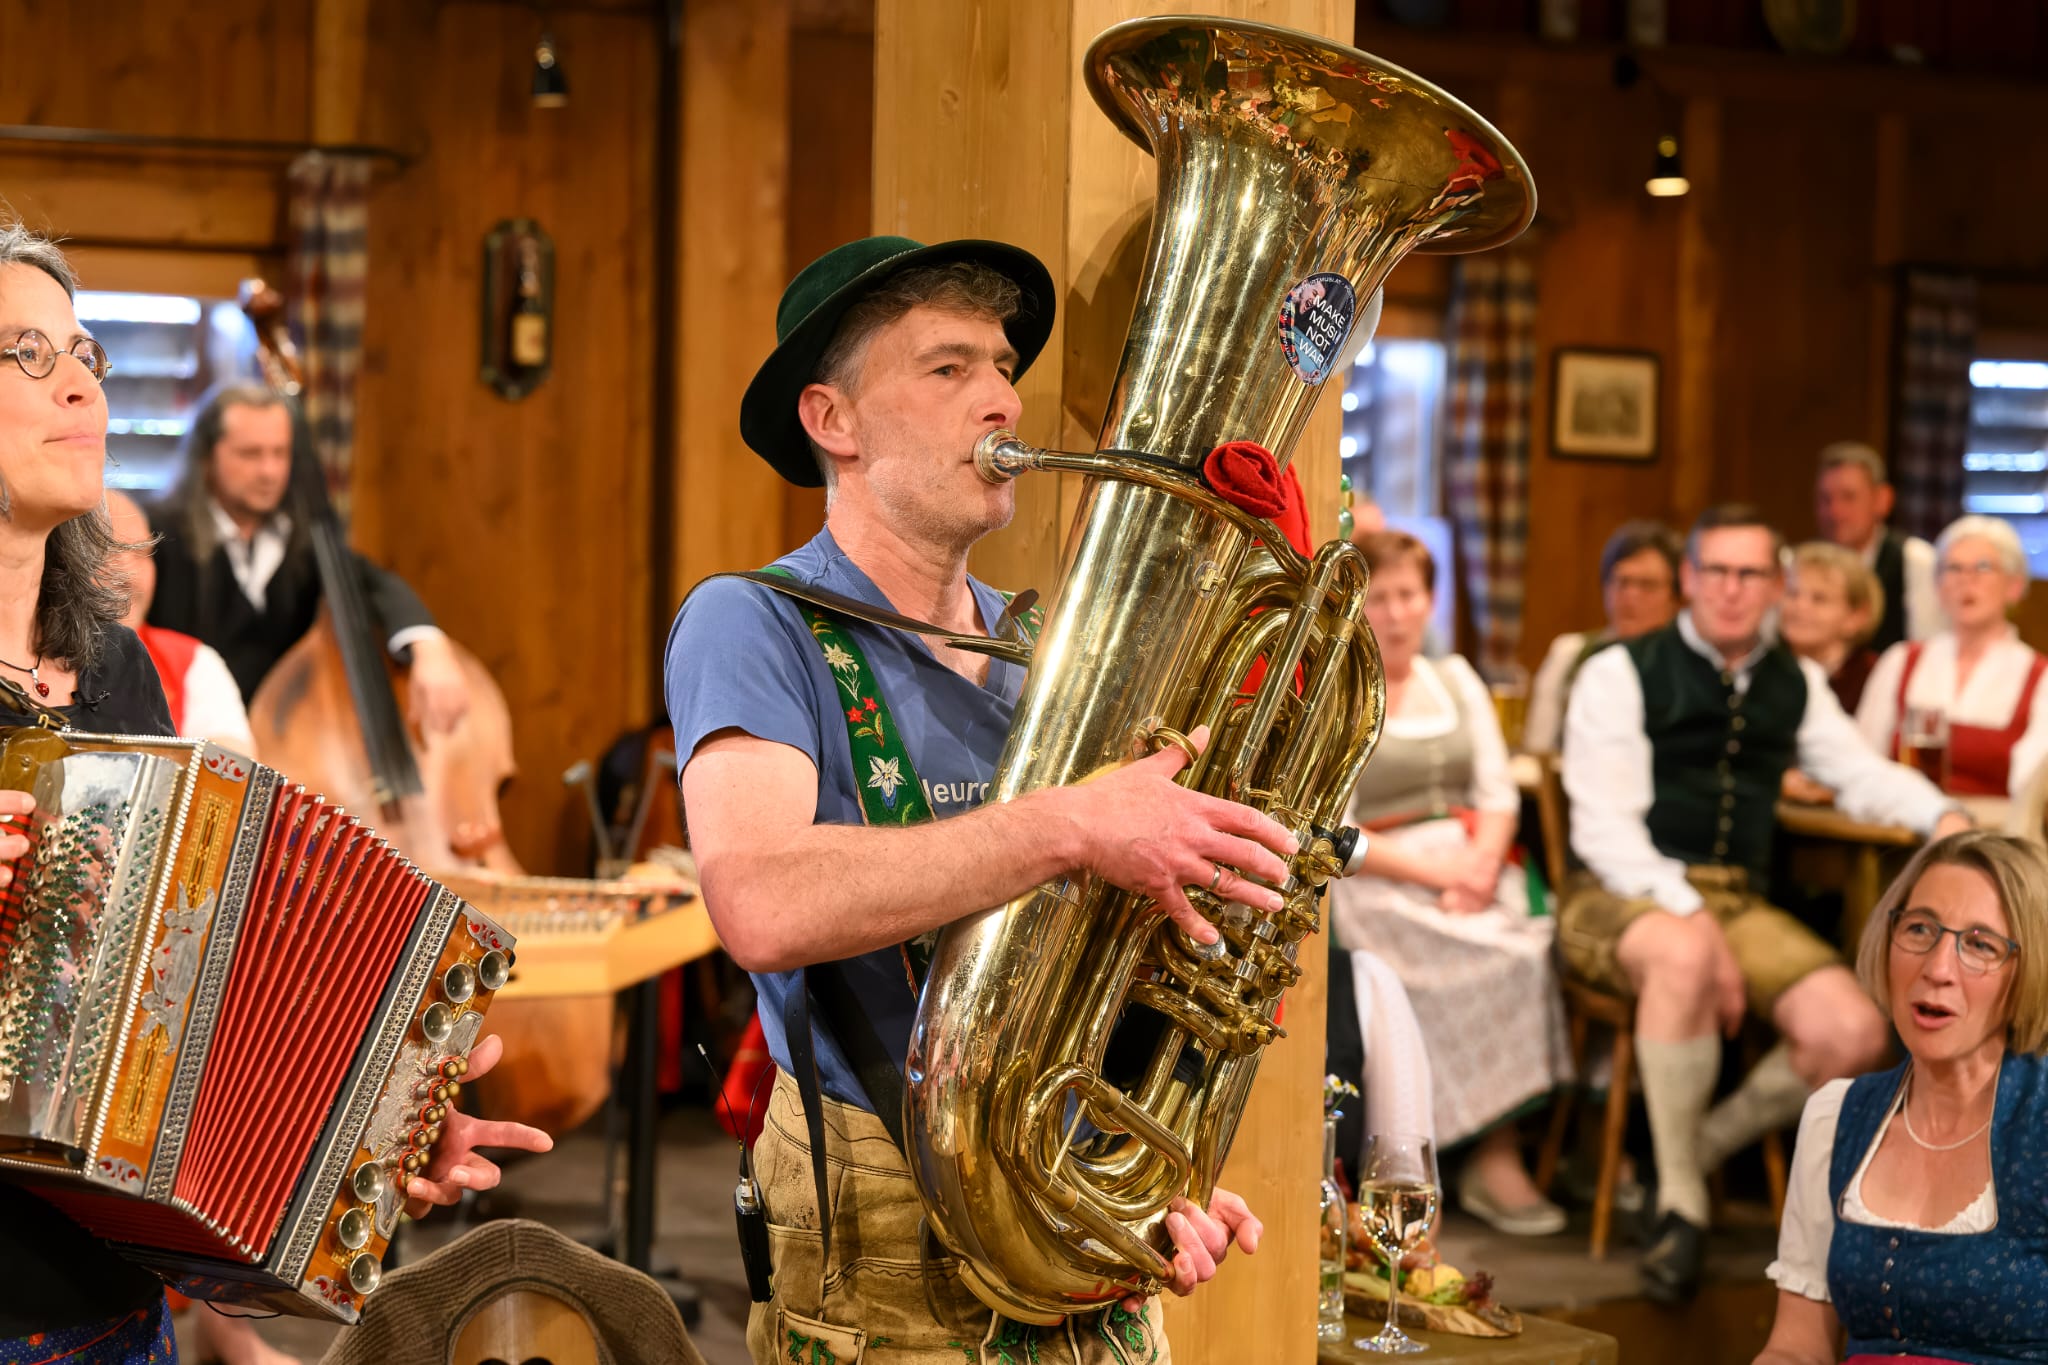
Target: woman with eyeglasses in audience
1639 589
1916 1218
1984 684
1438 899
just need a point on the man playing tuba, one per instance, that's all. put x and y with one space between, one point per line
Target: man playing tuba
833 774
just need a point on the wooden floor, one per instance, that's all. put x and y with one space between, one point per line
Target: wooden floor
1550 1276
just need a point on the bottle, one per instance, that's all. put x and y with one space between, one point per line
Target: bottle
529 319
1330 1305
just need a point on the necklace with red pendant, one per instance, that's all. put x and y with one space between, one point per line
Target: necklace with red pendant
35 674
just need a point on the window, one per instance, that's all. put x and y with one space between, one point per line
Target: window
1393 423
2005 464
167 351
1393 443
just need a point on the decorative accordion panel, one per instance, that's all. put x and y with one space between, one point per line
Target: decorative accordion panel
231 1017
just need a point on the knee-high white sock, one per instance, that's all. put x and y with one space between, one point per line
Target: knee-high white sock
1770 1097
1678 1083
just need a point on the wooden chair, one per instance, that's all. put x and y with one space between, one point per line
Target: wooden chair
1585 1006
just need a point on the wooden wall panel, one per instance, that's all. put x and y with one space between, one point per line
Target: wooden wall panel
109 197
525 525
1796 300
1607 276
831 177
728 509
199 68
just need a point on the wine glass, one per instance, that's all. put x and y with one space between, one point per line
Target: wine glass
1397 1192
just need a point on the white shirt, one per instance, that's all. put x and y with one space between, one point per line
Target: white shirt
213 704
1989 699
1608 771
1428 712
1924 617
1808 1231
1544 724
256 559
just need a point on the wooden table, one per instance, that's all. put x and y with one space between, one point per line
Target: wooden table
1540 1342
607 961
1831 849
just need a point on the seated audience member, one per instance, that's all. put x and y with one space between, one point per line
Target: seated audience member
1375 1042
1976 673
1851 501
1916 1217
1639 587
205 702
1833 603
1675 745
1437 898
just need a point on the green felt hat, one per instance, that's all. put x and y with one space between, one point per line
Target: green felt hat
818 298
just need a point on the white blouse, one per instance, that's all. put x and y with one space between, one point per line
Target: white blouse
1990 698
1428 712
1543 727
1809 1227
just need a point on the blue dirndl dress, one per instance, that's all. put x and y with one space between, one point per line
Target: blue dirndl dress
1977 1298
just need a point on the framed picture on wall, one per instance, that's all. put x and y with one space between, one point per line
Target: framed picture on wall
1603 404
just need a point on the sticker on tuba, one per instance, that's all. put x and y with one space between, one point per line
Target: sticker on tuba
1315 317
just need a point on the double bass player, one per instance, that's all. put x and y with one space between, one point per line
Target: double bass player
237 570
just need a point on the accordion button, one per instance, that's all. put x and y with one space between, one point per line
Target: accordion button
459 982
368 1182
420 1138
438 1023
364 1272
452 1090
354 1229
493 970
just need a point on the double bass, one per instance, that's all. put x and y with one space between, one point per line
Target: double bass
329 715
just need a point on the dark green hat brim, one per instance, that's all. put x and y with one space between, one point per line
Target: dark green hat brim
768 417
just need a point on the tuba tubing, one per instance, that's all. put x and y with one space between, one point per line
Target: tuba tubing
1078 1061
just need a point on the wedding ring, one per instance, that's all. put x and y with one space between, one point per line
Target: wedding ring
1217 880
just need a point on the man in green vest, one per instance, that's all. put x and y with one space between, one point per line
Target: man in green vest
1675 743
835 775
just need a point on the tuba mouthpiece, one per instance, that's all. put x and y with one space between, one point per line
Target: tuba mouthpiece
1002 455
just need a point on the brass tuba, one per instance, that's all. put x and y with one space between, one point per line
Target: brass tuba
1293 174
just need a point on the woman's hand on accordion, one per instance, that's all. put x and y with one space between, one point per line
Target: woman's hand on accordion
15 808
457 1165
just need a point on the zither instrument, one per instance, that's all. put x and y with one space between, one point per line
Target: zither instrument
1078 1061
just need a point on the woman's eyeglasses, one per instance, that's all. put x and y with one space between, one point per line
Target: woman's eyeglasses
1979 950
37 355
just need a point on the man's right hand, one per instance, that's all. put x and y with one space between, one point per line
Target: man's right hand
1731 998
1136 828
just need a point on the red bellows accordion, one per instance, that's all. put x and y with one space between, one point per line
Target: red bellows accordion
231 1017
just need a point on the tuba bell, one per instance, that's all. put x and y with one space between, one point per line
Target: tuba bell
1077 1060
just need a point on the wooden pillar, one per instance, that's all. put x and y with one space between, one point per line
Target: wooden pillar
727 510
983 128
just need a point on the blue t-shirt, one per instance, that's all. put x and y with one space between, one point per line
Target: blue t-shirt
741 657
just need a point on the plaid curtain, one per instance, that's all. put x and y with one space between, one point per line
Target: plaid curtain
1486 452
329 260
1937 336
